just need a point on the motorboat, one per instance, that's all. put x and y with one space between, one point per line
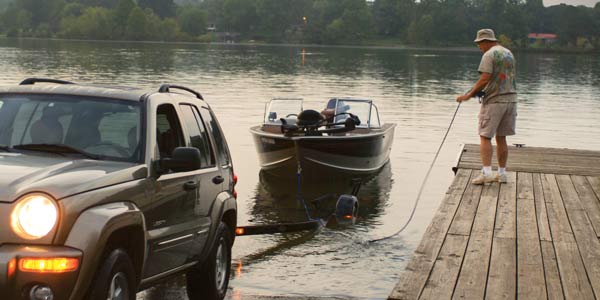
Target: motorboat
345 137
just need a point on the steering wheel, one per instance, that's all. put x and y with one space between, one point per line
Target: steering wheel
117 148
291 115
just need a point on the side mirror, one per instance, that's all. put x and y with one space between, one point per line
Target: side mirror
183 159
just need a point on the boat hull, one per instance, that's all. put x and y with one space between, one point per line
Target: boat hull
355 153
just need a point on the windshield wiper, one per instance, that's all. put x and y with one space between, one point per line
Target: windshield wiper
55 148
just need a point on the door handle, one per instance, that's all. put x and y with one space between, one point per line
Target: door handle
190 186
218 179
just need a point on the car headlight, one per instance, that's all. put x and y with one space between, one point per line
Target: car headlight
34 216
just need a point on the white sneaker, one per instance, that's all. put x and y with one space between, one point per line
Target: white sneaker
483 179
502 178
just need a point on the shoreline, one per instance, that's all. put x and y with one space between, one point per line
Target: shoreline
464 48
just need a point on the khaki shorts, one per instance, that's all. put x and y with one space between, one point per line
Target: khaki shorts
497 119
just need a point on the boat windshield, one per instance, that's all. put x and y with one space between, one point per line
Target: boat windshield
282 108
363 109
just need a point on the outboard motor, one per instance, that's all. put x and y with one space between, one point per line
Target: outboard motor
310 120
310 117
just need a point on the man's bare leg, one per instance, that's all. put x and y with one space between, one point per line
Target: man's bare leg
485 150
501 151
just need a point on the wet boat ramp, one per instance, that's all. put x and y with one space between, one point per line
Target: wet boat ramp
535 237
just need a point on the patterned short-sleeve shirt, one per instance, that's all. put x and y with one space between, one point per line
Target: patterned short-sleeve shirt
499 62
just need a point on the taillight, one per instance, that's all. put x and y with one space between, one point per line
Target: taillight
235 180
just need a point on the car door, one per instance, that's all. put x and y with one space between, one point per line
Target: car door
222 150
209 177
169 232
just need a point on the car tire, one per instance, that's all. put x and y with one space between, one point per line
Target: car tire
115 279
209 280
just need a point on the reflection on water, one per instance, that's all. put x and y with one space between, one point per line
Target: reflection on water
280 201
559 107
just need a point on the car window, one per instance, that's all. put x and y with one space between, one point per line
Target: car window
198 135
89 124
217 134
111 128
168 130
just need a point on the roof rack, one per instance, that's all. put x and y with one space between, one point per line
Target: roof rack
34 80
165 88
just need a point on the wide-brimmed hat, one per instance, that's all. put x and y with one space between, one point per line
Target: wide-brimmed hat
485 34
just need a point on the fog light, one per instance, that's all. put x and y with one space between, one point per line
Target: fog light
41 292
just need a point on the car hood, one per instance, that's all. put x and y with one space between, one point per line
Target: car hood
60 176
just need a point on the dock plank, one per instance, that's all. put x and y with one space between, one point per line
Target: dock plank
553 282
595 184
540 209
502 279
463 220
589 201
473 275
587 240
530 272
503 263
447 266
576 284
417 272
506 216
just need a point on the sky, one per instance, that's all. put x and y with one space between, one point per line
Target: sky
589 3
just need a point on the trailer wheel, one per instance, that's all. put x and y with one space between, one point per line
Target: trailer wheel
346 209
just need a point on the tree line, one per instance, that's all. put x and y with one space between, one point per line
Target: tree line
355 22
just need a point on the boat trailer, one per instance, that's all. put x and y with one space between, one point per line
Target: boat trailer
346 211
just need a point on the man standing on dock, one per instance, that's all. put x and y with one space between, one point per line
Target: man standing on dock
498 112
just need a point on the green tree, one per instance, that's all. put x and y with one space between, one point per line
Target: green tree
387 17
92 24
192 20
421 31
162 8
121 16
169 30
240 15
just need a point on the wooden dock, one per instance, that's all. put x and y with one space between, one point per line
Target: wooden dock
535 237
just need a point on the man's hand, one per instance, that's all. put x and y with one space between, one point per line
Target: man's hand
462 98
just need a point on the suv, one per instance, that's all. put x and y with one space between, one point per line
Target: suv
105 191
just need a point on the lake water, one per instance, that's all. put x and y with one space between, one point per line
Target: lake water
416 89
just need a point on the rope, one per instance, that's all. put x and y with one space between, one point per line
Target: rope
414 209
299 192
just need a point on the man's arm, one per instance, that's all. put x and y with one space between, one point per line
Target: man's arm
484 78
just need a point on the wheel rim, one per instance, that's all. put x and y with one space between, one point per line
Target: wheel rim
221 265
119 288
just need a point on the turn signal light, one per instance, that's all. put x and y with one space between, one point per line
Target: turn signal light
12 267
48 265
240 231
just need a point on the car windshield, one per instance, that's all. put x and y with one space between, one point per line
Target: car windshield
72 125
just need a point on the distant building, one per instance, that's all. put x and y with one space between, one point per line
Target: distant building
543 38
